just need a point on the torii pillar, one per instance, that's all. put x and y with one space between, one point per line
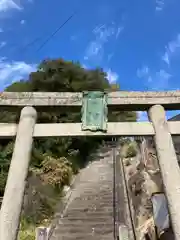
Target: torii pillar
168 164
15 187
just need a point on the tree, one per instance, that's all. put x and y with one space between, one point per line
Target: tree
64 76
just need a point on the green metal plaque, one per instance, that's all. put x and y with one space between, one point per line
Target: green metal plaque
94 111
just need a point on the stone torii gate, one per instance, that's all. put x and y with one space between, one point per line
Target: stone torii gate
29 103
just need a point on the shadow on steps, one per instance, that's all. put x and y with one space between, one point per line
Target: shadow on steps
167 235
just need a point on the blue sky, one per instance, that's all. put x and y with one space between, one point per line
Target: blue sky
136 42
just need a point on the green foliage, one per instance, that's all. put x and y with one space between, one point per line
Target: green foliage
21 86
3 177
124 140
5 156
60 75
56 172
131 150
27 234
27 230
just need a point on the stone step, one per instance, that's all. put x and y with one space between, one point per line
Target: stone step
99 190
89 214
63 230
94 191
83 231
93 202
73 223
85 214
96 169
104 164
87 200
92 205
101 182
79 225
87 220
94 197
99 170
84 237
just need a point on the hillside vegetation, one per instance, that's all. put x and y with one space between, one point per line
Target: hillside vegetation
54 160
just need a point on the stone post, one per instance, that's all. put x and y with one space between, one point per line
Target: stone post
123 232
42 233
14 192
168 164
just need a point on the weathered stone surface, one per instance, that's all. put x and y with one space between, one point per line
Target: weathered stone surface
145 178
140 188
74 129
168 164
131 100
16 182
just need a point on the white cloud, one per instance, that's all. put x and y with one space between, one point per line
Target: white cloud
102 34
73 37
84 66
110 56
163 74
158 80
13 71
143 71
119 30
22 22
112 76
165 58
94 49
171 49
159 5
9 4
2 44
161 80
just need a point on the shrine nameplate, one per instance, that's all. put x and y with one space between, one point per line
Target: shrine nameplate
94 111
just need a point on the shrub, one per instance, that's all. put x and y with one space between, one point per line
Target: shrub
56 172
131 150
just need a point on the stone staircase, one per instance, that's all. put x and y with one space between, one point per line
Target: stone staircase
88 214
